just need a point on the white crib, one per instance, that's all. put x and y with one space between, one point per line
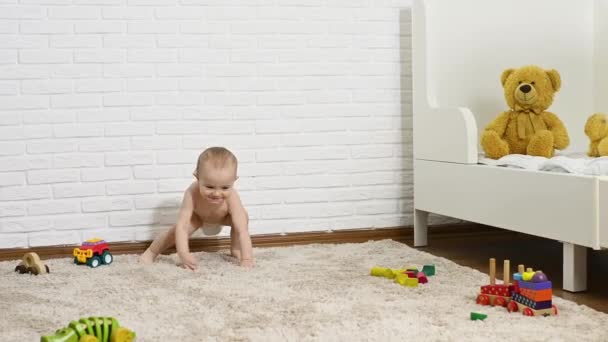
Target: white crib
460 48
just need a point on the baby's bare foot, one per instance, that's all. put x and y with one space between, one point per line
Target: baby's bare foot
147 258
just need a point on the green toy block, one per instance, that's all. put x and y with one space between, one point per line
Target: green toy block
429 270
476 316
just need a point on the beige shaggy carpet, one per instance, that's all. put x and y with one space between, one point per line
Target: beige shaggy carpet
300 293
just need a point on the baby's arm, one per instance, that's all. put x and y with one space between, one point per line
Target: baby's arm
181 230
240 223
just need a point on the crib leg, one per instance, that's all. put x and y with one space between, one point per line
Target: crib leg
420 227
575 267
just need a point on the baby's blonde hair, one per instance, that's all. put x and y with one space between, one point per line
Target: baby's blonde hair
219 157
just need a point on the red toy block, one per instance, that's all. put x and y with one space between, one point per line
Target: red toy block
410 274
422 278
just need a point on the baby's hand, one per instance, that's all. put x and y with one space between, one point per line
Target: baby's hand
247 263
189 262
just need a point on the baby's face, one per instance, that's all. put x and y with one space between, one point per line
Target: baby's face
215 184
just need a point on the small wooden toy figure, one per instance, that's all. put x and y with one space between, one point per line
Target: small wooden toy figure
31 264
530 293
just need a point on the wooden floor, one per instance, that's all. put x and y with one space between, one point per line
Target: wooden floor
538 253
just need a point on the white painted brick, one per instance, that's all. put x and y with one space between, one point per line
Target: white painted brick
24 102
35 56
69 222
75 41
376 207
77 130
154 202
308 153
21 72
177 185
251 84
375 178
99 56
9 26
129 129
182 41
75 101
103 115
234 141
104 144
46 27
11 133
12 178
106 204
181 99
53 207
198 127
13 241
200 55
159 172
37 131
98 86
23 42
204 27
78 190
12 209
54 238
24 163
22 12
155 114
210 84
105 174
51 146
256 170
129 41
135 219
152 27
130 188
177 157
127 12
77 160
53 176
129 158
151 56
158 84
8 57
75 71
99 2
25 225
256 113
12 148
46 86
74 12
103 26
156 143
128 70
180 70
124 100
183 12
367 152
110 235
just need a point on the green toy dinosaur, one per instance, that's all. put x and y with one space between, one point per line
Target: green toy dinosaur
92 329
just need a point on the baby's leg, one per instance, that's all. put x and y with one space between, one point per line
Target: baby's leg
166 240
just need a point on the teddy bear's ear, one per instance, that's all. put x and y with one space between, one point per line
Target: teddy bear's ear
505 75
556 80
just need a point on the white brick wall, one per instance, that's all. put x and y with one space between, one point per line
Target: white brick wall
105 104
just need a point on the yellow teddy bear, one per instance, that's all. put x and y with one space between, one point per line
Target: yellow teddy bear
527 128
597 131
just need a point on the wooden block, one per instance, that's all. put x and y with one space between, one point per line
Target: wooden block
535 286
476 316
531 303
538 295
429 270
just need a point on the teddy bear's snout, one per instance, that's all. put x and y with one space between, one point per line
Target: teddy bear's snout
525 88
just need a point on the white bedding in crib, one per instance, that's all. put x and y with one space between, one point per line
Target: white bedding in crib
568 163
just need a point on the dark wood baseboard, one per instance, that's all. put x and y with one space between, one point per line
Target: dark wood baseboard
401 234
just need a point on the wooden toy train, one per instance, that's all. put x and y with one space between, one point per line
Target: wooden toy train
530 293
